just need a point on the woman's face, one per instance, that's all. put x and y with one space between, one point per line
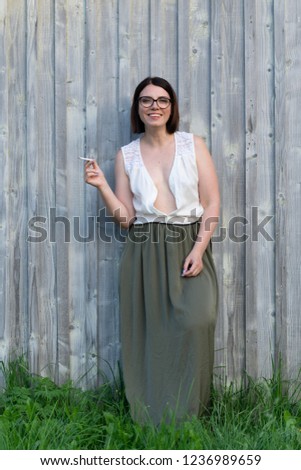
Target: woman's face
154 115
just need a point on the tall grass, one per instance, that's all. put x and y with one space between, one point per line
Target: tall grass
37 414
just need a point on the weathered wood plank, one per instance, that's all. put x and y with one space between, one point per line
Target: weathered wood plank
227 126
42 313
199 88
34 161
91 269
123 45
75 143
163 40
61 191
194 70
281 188
183 64
293 159
137 17
259 118
134 62
16 326
109 135
288 194
3 177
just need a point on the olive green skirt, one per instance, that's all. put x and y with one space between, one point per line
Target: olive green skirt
167 323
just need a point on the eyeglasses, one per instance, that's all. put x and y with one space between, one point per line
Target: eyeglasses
147 102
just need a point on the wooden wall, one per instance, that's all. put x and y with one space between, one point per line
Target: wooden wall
68 69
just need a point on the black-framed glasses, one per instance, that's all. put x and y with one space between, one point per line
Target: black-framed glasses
147 101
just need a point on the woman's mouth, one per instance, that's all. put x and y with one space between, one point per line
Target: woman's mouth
154 115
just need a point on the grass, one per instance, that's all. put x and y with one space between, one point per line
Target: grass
37 414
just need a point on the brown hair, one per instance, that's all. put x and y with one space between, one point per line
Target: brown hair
172 123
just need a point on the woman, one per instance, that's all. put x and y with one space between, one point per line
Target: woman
167 195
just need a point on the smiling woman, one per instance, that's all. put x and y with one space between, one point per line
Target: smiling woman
157 84
167 195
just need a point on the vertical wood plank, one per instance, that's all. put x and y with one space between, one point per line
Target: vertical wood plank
288 188
163 43
293 156
3 176
228 144
124 17
108 141
91 271
199 90
16 325
281 186
41 191
134 62
75 142
184 63
197 67
61 191
259 118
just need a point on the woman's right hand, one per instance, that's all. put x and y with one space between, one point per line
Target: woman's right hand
94 175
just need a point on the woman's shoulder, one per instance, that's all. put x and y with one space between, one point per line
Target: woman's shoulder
130 153
184 134
190 136
187 137
131 145
199 143
185 142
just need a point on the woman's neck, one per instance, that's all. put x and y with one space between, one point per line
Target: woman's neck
157 137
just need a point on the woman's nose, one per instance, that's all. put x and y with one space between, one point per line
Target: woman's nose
155 104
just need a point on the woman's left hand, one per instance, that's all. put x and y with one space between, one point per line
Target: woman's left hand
193 265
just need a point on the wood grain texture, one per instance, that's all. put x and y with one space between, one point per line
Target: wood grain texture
42 310
288 222
134 29
183 62
228 144
16 260
195 69
75 144
164 51
61 189
4 138
259 122
108 142
91 145
68 70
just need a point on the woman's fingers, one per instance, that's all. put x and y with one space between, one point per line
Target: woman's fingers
192 266
91 166
93 174
187 267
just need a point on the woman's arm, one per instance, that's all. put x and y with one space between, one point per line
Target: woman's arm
120 203
210 200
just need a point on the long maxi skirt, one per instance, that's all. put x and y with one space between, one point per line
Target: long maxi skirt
167 323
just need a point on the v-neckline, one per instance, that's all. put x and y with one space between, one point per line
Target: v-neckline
172 166
169 176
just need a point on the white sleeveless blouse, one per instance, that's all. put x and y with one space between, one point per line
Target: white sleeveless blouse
183 183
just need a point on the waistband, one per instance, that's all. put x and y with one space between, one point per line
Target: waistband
175 219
